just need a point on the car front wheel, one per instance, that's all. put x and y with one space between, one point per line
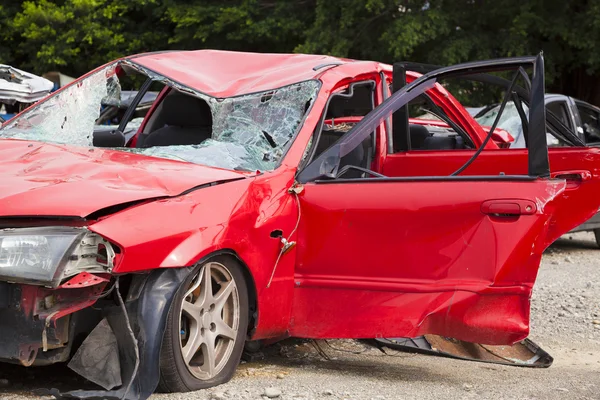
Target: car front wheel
206 328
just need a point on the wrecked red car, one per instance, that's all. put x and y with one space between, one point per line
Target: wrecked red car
266 196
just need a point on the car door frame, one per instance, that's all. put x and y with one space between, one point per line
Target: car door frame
326 165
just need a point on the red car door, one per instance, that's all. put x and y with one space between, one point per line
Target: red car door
577 164
455 256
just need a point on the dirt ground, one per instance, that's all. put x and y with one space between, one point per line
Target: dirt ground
565 322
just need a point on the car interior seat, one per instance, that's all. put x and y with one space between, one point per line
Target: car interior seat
418 135
422 139
185 120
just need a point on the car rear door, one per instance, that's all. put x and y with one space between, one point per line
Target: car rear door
404 256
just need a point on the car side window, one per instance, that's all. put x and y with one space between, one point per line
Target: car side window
345 109
559 108
590 119
430 127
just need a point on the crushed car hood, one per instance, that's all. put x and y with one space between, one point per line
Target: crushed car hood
38 179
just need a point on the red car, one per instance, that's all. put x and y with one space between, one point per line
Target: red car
266 196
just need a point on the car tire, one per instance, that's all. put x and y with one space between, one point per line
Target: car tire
597 234
197 321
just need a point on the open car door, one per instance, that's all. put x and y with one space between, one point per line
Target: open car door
572 160
454 255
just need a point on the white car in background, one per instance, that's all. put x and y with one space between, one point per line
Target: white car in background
20 89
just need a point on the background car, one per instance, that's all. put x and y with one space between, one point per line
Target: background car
580 117
19 89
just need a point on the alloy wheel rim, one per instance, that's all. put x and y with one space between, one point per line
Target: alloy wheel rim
209 321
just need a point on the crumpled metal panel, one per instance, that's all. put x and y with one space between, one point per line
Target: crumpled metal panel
412 258
221 74
521 354
84 279
34 178
217 219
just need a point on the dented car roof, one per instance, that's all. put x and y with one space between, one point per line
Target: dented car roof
224 75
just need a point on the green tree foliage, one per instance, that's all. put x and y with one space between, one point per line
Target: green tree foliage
74 36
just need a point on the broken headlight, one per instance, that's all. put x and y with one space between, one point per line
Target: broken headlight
46 256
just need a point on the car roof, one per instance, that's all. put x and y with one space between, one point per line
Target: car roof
229 73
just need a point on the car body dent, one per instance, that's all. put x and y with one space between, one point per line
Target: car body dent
191 227
35 177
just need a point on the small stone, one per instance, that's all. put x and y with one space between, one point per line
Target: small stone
568 259
596 322
280 376
561 314
554 262
467 386
562 389
272 393
4 383
328 393
218 396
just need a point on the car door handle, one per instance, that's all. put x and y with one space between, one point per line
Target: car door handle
574 178
508 207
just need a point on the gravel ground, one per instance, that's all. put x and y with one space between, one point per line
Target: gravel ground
566 303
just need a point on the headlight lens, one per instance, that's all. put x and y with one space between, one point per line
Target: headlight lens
48 255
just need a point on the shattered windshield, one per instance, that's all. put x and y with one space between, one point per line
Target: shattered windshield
249 132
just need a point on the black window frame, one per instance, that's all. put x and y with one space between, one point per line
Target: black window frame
324 168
